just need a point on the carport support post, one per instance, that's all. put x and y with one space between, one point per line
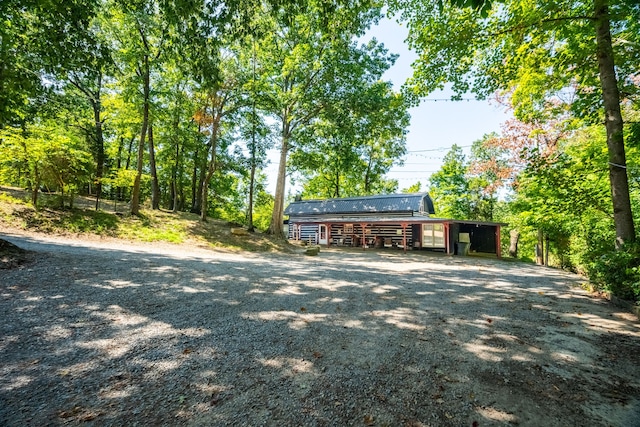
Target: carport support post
447 241
498 247
328 228
364 236
404 236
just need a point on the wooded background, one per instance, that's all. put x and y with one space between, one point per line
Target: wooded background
173 104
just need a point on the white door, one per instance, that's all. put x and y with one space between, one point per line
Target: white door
322 235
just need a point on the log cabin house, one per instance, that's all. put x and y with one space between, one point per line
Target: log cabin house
391 220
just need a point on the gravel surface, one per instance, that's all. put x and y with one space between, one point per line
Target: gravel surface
115 333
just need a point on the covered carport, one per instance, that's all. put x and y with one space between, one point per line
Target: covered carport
482 237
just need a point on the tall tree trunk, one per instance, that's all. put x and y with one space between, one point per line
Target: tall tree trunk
179 186
174 181
622 214
277 218
201 178
540 248
127 164
211 169
115 192
122 191
252 175
194 181
546 250
100 156
252 179
367 175
135 194
155 187
514 236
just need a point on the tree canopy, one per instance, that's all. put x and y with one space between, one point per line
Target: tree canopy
546 57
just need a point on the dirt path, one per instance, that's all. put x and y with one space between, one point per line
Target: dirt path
112 333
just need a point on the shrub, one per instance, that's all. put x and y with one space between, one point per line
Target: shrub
618 272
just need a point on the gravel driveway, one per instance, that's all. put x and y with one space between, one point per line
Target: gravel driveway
115 333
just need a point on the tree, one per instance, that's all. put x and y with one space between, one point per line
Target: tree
449 186
539 53
487 175
224 99
48 154
311 54
37 38
142 34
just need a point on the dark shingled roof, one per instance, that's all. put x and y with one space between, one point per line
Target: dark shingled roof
387 203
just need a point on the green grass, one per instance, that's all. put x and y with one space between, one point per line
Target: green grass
150 226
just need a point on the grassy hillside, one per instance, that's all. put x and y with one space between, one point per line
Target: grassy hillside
16 212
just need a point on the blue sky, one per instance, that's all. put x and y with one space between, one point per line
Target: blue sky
436 124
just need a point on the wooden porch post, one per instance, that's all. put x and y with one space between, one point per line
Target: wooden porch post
404 236
498 246
364 236
328 226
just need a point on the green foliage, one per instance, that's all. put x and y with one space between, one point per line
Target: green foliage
44 155
618 271
449 186
415 188
262 211
548 58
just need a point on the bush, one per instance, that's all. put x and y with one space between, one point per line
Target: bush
618 272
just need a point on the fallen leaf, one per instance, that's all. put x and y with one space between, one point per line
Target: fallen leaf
489 320
186 351
368 420
541 293
303 309
317 354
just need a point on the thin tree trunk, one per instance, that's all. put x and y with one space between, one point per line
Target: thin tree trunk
35 183
252 179
123 191
201 179
179 186
622 214
540 248
252 175
211 169
194 181
129 151
546 250
135 196
155 187
100 156
174 181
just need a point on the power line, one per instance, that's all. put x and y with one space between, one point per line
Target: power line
437 149
452 100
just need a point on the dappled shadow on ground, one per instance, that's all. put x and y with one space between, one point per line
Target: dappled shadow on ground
346 338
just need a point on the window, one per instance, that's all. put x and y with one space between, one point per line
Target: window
433 235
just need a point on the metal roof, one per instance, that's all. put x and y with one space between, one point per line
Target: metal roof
386 203
392 220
